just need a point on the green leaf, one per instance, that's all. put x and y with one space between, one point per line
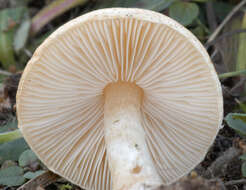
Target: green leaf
12 176
8 163
237 121
243 157
243 169
222 9
9 20
21 35
241 105
31 175
155 5
18 3
200 1
9 126
199 33
27 158
65 187
12 150
184 12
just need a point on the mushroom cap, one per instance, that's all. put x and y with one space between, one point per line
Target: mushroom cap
60 95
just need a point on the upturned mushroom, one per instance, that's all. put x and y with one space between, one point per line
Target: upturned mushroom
122 99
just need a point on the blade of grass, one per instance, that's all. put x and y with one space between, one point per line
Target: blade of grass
9 136
9 21
232 74
241 47
51 11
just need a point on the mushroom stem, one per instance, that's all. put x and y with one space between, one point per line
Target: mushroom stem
129 160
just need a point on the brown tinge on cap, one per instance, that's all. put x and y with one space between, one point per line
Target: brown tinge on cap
60 96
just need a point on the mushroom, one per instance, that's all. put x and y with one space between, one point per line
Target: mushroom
120 99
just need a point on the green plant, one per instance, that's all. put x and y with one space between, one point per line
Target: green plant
12 174
237 121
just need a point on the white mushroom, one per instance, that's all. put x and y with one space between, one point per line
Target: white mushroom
120 99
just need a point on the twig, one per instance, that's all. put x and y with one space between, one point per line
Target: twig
224 35
235 182
228 17
28 53
42 180
6 73
238 88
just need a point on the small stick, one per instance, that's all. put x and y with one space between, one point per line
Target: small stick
42 180
6 73
228 17
235 182
224 35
